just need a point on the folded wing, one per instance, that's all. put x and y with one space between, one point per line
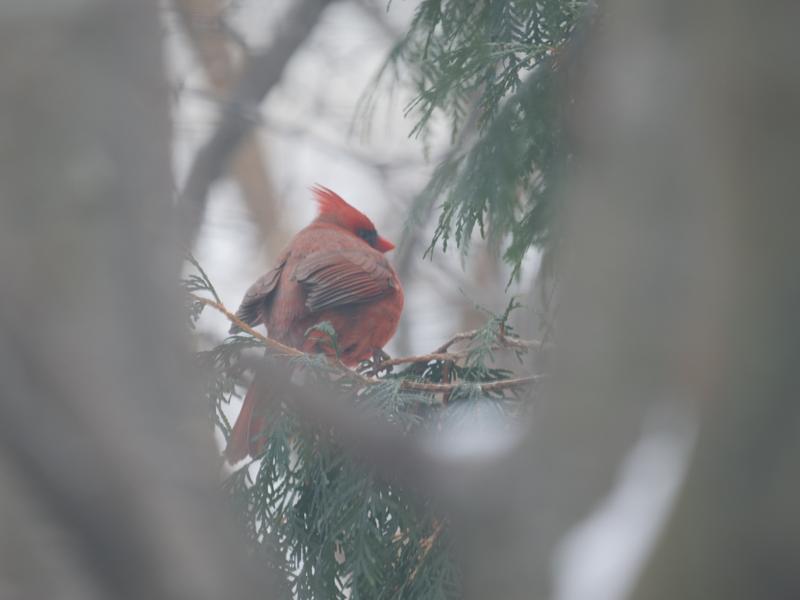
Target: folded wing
333 279
259 295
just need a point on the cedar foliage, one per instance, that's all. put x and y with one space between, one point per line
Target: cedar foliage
332 524
493 69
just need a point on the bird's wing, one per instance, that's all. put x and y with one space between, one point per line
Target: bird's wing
343 277
258 294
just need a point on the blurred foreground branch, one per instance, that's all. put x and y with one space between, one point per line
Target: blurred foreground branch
680 297
107 468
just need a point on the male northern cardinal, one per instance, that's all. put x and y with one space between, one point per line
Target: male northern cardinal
333 270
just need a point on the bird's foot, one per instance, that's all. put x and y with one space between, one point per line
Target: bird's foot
374 367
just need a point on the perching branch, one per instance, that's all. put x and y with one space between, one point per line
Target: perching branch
276 346
280 349
261 73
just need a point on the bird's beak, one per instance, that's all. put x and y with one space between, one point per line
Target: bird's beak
383 245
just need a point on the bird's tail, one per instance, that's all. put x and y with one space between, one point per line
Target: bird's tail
248 436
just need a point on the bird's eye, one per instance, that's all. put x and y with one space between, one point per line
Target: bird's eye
368 235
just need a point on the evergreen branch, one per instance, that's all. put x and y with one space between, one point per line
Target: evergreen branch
407 385
510 61
209 286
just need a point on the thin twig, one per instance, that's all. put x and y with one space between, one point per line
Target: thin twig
486 386
290 130
504 341
442 354
421 358
419 386
281 349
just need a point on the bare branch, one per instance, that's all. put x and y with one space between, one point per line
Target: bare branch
280 349
488 386
210 35
261 73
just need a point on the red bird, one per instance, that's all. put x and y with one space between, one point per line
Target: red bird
333 270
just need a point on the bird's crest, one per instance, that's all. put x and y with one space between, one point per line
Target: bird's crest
333 208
